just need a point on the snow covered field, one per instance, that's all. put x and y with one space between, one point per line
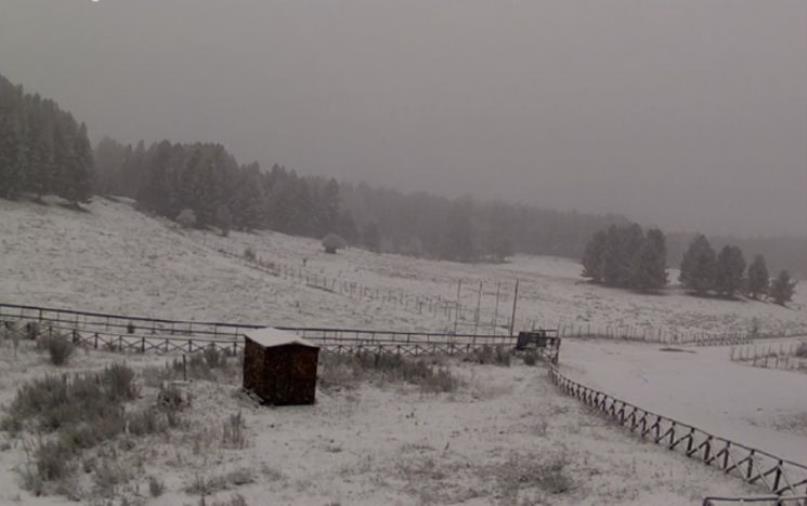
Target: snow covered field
504 437
114 259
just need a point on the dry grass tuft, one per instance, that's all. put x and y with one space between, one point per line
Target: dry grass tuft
348 370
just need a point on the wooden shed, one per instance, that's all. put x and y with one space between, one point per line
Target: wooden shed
280 367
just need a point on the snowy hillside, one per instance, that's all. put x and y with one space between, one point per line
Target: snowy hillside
116 259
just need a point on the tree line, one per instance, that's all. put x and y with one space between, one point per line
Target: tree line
627 257
205 184
705 271
43 149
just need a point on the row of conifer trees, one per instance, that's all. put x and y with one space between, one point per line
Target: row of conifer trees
627 257
43 149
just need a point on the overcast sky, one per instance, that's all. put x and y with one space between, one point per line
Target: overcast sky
690 114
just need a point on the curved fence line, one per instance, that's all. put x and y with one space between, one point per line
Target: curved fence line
774 500
779 476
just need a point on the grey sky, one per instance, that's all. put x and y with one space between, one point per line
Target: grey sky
691 114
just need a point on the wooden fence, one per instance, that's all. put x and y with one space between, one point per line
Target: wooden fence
786 356
779 476
86 321
772 500
143 335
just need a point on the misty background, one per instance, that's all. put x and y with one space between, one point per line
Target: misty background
690 115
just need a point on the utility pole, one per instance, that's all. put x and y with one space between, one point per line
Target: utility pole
515 303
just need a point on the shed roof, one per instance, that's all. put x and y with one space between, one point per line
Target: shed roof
270 336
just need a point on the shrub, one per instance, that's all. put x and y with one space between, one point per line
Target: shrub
801 351
332 243
156 486
119 381
213 357
59 348
233 434
530 358
32 330
187 218
340 370
235 500
53 460
492 355
249 254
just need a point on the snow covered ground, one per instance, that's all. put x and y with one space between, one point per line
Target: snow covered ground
114 259
504 437
762 408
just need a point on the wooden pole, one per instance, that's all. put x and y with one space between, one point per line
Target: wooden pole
496 309
515 303
457 305
478 307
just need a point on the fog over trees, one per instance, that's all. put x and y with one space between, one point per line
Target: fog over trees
45 150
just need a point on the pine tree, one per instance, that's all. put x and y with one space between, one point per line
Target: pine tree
782 288
611 257
649 270
758 277
224 220
593 257
370 237
631 240
729 271
698 266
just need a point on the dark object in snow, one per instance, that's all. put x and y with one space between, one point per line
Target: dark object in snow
544 340
280 367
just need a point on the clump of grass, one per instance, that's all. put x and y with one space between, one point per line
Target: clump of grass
347 370
235 500
32 330
213 357
492 355
209 485
77 413
156 486
249 254
59 348
233 435
553 477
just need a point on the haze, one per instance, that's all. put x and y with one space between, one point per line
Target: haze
689 114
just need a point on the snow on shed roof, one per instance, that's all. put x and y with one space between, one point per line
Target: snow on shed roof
270 336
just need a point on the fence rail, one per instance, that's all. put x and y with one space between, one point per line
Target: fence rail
773 500
786 356
123 325
329 339
779 476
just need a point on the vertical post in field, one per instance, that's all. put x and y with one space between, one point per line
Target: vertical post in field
515 303
496 309
478 308
457 305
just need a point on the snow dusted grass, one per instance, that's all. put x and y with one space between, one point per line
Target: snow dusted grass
499 435
118 260
502 435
